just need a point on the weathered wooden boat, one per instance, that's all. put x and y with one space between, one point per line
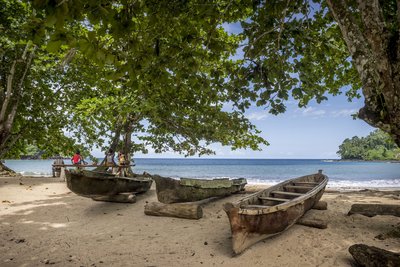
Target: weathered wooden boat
96 185
188 190
91 173
273 210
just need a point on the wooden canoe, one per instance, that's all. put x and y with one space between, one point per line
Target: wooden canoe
96 185
273 210
188 190
89 173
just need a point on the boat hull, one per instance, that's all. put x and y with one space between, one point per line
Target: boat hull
107 185
249 225
188 190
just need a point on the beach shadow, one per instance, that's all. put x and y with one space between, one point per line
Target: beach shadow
27 181
100 208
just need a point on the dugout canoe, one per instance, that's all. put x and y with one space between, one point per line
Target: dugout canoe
170 190
96 185
91 173
273 210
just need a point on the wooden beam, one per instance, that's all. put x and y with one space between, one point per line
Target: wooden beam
306 183
287 193
254 206
298 187
188 210
274 199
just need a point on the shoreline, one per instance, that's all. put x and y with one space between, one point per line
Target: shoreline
42 222
252 184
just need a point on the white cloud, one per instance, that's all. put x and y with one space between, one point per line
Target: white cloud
258 116
343 112
313 112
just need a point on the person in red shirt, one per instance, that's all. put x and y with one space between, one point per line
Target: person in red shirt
77 158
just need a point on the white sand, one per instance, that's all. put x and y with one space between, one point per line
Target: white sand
42 222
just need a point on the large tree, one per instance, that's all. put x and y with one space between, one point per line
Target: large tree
307 49
152 69
29 111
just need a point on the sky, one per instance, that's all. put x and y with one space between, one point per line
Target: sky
314 132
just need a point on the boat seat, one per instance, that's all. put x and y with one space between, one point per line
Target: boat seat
298 187
274 199
306 183
254 206
287 193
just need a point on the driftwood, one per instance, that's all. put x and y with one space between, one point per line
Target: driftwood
372 210
369 256
180 210
316 223
120 198
320 205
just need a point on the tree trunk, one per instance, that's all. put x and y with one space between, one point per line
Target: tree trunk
14 86
180 210
5 171
128 145
369 256
375 51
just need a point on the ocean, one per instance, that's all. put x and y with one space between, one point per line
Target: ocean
257 171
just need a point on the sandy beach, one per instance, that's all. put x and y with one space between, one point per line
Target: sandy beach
43 223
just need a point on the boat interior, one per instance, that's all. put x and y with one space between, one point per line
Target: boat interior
280 194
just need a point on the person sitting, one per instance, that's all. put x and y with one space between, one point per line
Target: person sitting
77 159
110 160
121 162
57 169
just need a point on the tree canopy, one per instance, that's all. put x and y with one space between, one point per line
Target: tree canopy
310 49
376 146
150 72
161 74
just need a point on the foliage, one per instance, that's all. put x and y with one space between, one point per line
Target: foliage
293 49
376 146
307 50
28 95
113 68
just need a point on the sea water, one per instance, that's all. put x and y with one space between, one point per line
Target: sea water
261 171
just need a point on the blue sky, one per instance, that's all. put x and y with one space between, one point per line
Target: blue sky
312 132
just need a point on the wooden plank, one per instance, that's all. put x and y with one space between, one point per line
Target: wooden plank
287 193
254 206
306 183
274 199
298 187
